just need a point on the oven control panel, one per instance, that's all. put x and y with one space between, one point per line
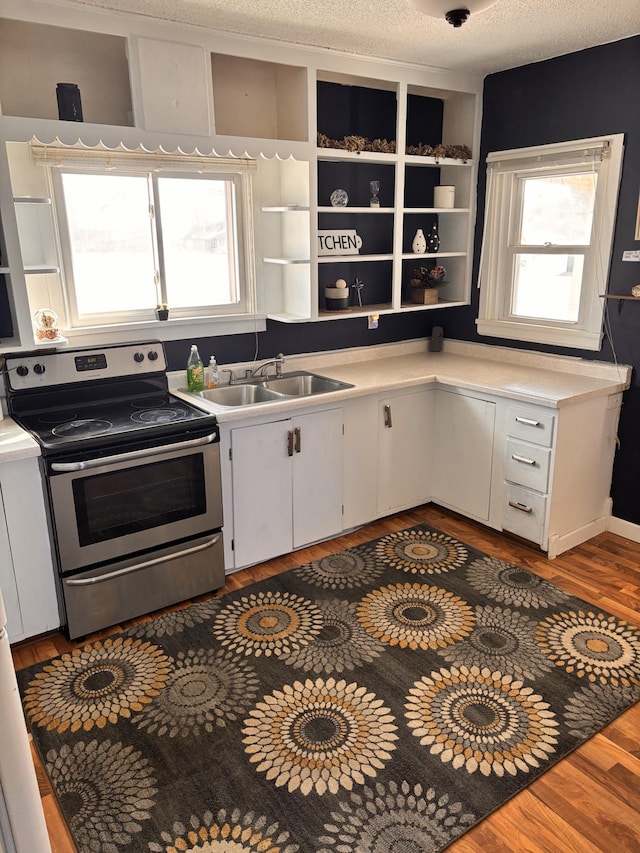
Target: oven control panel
31 370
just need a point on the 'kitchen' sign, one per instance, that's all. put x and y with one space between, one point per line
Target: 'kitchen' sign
339 242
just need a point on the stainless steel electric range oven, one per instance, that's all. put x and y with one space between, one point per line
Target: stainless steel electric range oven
133 479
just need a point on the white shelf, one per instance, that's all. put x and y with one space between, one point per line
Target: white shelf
435 210
41 270
285 208
417 160
286 261
356 209
5 270
350 259
31 200
412 256
357 156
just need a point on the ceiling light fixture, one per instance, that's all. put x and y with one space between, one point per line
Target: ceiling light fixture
455 16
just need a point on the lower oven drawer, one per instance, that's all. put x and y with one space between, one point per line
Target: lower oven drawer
123 590
524 513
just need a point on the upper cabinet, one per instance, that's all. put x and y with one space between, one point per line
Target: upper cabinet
35 57
350 151
266 100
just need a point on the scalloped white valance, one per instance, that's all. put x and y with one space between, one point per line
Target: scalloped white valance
59 154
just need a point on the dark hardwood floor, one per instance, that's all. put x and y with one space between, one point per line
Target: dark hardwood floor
588 802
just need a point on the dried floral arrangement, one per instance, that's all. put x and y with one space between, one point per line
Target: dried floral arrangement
357 143
361 143
455 152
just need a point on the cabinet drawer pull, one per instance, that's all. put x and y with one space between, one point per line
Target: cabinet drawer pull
297 431
387 417
290 442
527 421
521 507
523 459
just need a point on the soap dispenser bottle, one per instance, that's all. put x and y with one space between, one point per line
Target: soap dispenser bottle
195 371
213 379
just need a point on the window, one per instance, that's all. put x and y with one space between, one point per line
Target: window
549 220
140 230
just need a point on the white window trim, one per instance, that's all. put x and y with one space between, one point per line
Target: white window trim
177 327
495 279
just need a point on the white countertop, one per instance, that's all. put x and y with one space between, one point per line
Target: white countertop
527 377
16 443
544 380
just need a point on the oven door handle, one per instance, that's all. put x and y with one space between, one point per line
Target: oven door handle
127 570
67 467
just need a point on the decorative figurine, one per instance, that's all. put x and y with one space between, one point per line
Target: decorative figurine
357 286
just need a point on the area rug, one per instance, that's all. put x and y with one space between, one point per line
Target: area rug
382 699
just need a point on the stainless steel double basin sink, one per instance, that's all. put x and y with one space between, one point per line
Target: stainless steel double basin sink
251 392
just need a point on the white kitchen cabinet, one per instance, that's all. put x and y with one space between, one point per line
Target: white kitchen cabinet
463 453
171 86
360 461
28 576
405 441
286 484
8 585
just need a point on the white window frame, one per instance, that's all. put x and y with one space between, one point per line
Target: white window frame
209 320
503 209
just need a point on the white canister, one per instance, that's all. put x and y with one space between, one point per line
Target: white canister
444 196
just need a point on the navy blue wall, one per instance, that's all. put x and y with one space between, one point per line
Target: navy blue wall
590 93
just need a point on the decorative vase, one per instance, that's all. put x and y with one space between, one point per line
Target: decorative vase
419 245
69 103
433 242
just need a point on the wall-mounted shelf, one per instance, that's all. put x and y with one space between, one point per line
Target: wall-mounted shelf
286 261
620 299
356 210
350 259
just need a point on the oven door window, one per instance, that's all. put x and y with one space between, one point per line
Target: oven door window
118 503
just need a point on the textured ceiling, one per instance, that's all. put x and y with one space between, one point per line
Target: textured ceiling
511 33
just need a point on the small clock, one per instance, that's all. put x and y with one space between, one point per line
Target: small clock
339 198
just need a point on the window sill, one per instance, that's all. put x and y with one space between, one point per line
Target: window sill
166 330
539 334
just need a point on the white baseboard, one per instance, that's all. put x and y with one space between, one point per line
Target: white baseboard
628 529
559 544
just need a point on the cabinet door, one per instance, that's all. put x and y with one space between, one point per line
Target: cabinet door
262 492
317 476
8 586
405 440
463 463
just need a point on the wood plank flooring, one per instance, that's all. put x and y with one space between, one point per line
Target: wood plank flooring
586 803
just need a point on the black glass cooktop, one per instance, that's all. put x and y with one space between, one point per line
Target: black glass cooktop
113 421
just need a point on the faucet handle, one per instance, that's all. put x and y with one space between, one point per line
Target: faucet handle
232 375
279 362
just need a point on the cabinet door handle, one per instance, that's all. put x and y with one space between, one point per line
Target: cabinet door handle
521 507
290 443
387 417
297 431
527 422
522 459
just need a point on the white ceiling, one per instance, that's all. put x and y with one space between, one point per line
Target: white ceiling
511 33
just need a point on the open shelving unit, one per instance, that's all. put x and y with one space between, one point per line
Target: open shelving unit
278 104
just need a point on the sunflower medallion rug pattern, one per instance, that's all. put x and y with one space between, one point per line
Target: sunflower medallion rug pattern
384 698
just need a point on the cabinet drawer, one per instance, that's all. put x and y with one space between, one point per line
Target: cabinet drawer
530 426
523 512
527 465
